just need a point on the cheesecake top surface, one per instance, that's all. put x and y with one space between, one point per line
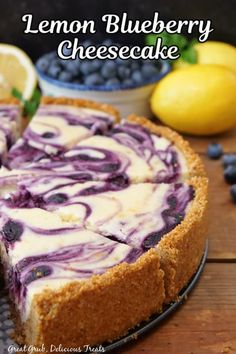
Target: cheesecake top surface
58 128
71 139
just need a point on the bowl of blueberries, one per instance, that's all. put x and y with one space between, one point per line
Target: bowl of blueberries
126 84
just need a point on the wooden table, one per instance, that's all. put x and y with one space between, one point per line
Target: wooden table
206 323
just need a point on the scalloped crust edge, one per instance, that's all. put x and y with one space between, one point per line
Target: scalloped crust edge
80 313
181 249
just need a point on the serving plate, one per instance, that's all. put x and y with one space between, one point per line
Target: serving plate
7 326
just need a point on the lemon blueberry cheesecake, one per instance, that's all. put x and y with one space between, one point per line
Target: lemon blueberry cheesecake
100 218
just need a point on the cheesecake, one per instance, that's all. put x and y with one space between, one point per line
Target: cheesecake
100 217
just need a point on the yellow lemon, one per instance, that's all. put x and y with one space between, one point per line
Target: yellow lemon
198 99
216 53
16 70
212 52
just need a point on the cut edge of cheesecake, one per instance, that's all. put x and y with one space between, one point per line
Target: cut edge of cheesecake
181 249
195 165
77 102
125 295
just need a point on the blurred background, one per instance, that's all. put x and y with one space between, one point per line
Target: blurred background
220 12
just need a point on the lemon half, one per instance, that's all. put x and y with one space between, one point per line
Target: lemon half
16 70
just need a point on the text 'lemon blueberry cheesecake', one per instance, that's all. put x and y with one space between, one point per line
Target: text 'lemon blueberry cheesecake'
99 217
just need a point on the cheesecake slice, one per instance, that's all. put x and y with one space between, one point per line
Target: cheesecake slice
54 267
129 151
58 127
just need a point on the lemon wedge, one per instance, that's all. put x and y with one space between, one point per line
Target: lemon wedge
16 70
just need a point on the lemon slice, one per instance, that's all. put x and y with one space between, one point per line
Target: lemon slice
16 70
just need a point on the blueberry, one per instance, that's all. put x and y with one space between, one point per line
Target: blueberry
96 64
124 72
73 66
48 135
56 61
148 61
87 43
151 240
109 167
54 71
108 42
37 273
50 56
125 62
178 218
66 51
149 70
113 81
108 70
172 201
127 82
135 65
230 174
119 181
86 67
214 151
43 64
65 76
77 81
229 159
94 79
12 230
137 77
88 191
57 198
233 193
85 157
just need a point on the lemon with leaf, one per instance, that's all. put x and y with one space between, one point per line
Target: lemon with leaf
16 71
213 52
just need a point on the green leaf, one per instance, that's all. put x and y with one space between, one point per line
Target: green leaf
186 47
36 95
17 94
150 39
178 40
29 106
193 42
189 55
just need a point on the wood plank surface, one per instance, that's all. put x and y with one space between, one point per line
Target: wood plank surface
228 141
205 324
222 214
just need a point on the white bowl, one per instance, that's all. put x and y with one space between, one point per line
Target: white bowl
127 99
